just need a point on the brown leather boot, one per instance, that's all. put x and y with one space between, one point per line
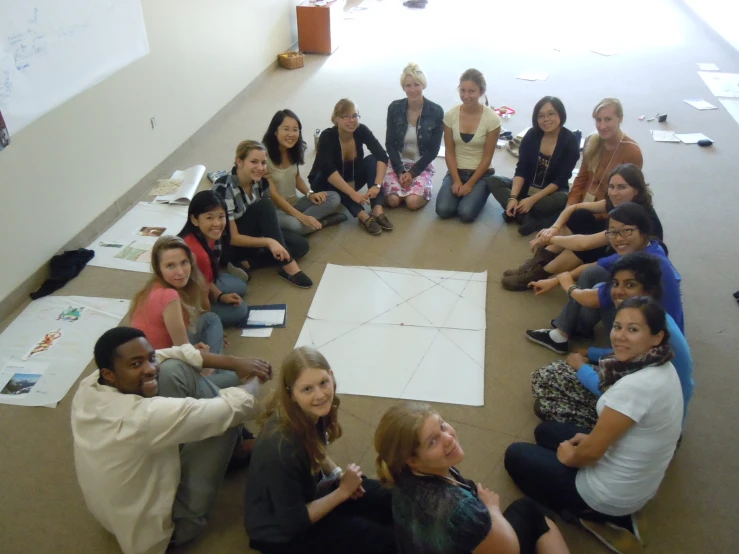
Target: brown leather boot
541 257
521 281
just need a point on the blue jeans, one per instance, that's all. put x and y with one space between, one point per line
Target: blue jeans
230 315
209 330
467 208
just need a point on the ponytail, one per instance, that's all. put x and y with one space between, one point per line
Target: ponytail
383 472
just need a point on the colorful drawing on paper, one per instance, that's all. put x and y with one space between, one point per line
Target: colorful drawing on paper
71 314
44 344
136 252
152 231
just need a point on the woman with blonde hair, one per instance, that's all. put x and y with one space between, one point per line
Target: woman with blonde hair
297 499
471 132
341 165
413 138
172 309
256 237
436 510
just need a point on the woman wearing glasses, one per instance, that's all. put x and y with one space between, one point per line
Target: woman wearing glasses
340 165
628 231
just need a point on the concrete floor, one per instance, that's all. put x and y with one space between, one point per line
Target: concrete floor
42 509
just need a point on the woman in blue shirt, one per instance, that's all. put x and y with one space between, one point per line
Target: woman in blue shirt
629 230
568 390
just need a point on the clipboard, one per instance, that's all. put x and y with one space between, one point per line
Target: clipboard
265 307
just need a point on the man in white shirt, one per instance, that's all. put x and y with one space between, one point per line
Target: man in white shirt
151 442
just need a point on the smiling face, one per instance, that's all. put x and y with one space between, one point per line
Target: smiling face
313 392
211 224
469 93
413 89
288 133
136 370
439 449
619 191
607 123
625 239
349 121
548 118
625 285
252 167
174 265
631 335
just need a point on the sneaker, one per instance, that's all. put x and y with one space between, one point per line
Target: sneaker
371 226
300 279
508 218
384 222
616 538
541 336
520 282
332 219
541 257
237 272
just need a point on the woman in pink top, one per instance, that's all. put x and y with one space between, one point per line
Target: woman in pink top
206 232
172 308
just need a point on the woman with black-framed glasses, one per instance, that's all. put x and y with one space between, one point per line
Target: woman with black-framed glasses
628 231
341 166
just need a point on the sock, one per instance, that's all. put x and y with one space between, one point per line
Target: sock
557 336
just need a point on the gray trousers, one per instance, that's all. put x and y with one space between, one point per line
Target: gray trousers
304 205
579 320
203 463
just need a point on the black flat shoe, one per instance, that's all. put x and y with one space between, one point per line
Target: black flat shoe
300 279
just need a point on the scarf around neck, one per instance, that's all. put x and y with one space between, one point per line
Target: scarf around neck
611 370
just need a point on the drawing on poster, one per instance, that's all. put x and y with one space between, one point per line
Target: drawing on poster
44 344
136 252
71 314
151 231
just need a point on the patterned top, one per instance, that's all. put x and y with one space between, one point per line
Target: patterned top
434 516
237 201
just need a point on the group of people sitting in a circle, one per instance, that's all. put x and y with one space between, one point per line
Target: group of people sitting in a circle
157 428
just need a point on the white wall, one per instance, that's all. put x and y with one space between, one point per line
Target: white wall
63 170
721 15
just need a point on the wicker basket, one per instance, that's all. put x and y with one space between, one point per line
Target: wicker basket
291 60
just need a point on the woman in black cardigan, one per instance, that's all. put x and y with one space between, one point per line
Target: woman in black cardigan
340 165
548 153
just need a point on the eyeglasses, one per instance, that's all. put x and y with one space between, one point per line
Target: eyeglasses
627 232
352 116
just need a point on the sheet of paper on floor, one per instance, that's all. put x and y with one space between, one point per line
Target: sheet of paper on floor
664 136
532 76
261 333
126 231
189 182
708 67
401 337
691 138
605 51
266 317
723 85
732 106
165 187
700 104
48 346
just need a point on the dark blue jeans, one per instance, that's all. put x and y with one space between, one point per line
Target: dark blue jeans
540 475
365 173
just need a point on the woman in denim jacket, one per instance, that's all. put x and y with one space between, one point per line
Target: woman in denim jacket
414 132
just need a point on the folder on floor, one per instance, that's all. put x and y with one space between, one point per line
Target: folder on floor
268 315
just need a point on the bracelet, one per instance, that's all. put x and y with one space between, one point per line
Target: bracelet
571 289
338 472
513 198
219 297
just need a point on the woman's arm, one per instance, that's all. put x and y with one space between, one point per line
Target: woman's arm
434 145
578 243
300 184
491 139
579 186
585 450
337 181
585 297
501 539
391 145
245 241
281 203
450 155
175 323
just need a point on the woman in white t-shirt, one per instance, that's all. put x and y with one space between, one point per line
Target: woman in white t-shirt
605 476
286 151
471 132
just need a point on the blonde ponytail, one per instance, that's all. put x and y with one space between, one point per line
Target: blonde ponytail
383 472
594 144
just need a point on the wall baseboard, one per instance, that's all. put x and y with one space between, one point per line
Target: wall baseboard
19 298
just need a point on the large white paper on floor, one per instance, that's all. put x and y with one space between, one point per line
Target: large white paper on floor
44 350
725 85
402 333
732 106
51 51
127 244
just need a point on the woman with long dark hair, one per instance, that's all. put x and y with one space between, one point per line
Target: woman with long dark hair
285 155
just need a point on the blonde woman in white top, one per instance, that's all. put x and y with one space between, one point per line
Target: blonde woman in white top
471 132
286 150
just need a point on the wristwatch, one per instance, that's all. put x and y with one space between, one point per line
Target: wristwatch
379 186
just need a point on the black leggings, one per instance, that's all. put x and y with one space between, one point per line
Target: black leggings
365 172
527 520
260 220
584 222
363 526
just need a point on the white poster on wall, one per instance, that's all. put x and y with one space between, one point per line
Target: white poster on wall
51 51
48 346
